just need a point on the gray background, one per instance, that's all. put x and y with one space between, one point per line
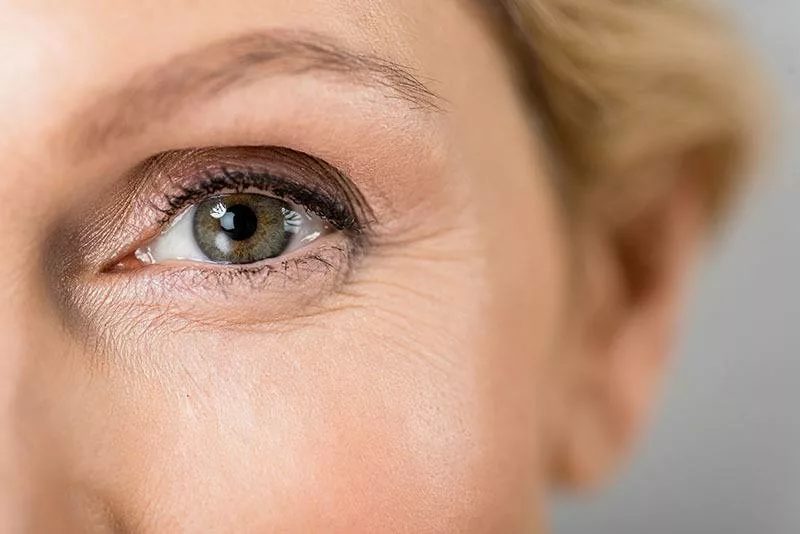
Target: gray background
724 453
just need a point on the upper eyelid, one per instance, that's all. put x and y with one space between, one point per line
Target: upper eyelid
182 176
240 181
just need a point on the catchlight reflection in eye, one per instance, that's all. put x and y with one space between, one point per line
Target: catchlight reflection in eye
234 229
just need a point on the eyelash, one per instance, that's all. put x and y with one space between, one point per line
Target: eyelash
333 211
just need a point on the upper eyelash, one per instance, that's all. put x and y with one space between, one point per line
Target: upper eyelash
333 211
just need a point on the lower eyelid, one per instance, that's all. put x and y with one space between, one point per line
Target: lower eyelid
231 297
332 252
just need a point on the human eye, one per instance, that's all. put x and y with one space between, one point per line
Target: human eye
238 215
236 229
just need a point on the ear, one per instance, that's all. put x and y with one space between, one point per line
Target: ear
631 275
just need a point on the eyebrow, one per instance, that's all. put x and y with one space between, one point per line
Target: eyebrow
157 93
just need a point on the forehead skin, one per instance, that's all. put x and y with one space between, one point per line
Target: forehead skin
83 42
425 420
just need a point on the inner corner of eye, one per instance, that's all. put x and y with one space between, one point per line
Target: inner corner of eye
135 260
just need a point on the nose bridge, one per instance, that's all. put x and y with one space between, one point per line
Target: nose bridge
29 470
12 473
33 473
33 497
18 480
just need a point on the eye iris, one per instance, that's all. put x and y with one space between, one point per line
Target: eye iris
242 228
239 222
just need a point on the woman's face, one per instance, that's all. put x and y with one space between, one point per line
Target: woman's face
183 354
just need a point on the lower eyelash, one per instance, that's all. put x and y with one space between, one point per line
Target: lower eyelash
289 273
292 270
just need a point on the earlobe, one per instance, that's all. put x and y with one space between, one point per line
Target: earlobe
631 291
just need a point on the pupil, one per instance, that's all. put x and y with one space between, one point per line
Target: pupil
239 222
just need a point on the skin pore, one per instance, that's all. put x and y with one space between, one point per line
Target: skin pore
420 367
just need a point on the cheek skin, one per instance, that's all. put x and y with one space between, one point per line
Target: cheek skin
412 409
518 222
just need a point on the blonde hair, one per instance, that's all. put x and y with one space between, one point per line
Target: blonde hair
620 83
